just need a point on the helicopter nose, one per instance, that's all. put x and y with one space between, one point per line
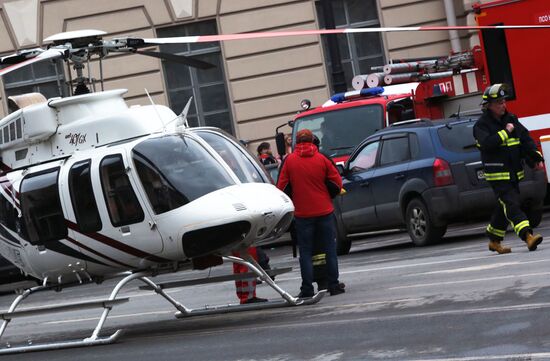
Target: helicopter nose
243 215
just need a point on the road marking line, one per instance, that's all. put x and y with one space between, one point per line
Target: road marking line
468 281
397 267
477 268
519 356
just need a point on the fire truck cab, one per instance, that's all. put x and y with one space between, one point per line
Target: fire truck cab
348 118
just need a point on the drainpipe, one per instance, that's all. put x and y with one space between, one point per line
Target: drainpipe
451 21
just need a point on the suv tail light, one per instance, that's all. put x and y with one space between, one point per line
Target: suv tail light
442 173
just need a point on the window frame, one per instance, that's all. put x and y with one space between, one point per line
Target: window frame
29 221
140 214
83 227
390 138
195 84
354 157
353 58
31 80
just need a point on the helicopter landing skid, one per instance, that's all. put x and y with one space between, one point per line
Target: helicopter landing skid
108 304
212 310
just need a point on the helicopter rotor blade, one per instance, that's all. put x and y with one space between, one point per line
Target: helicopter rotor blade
274 34
42 56
177 58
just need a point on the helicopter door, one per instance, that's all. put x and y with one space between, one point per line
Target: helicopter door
129 221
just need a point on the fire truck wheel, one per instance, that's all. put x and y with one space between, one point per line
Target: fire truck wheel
420 226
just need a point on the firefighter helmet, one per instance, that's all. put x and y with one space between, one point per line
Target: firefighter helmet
494 92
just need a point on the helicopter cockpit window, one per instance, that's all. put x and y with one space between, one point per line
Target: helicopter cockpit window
82 197
176 170
41 207
122 203
234 157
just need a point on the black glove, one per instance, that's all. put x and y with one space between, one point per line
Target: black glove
532 158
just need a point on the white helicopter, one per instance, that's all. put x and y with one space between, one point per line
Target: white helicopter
93 189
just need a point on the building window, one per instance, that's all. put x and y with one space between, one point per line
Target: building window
210 105
44 77
358 52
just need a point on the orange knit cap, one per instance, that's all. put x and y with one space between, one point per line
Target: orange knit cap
304 136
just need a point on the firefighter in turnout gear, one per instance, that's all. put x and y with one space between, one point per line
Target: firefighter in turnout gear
504 143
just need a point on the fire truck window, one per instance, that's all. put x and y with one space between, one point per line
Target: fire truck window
41 207
121 200
458 137
82 197
239 163
340 130
179 166
365 159
498 60
395 150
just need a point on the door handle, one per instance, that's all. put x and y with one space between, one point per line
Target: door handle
365 184
399 176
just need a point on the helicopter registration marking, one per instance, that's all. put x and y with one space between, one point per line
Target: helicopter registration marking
76 138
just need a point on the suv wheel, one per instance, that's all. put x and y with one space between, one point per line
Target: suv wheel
420 225
343 242
534 214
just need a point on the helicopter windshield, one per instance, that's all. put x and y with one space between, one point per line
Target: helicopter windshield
176 170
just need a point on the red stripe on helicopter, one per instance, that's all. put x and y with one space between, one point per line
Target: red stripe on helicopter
116 244
83 246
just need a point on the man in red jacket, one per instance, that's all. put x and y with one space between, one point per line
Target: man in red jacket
308 176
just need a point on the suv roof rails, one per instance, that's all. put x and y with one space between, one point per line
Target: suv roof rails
466 113
423 121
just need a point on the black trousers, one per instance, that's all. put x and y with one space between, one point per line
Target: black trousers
508 210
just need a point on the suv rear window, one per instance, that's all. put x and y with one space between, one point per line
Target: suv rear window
458 138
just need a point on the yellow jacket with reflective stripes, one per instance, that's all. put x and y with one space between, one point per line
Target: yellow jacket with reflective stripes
502 152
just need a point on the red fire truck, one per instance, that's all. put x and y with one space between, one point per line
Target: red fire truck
444 86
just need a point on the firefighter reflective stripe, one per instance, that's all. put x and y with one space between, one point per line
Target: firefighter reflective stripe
497 232
497 176
503 176
246 289
510 142
521 225
504 210
319 259
503 135
521 174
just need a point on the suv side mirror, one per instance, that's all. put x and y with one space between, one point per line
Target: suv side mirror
341 169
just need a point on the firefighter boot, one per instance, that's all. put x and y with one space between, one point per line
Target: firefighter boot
495 246
533 241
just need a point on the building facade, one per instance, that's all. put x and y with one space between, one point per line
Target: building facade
257 85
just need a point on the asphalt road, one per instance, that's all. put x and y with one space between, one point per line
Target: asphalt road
452 301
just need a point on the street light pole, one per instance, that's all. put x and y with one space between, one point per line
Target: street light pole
338 80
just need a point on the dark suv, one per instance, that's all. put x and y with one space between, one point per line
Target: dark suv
422 175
